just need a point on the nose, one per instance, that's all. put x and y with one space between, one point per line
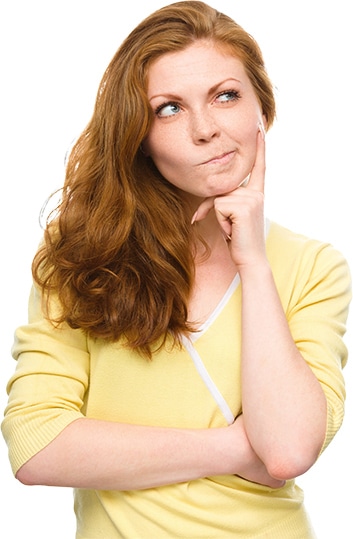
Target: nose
204 127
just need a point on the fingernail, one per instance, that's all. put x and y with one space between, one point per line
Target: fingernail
227 238
194 217
262 130
245 182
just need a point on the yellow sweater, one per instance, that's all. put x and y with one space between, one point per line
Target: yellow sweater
62 375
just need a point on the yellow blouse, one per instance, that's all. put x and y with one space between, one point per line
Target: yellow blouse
62 375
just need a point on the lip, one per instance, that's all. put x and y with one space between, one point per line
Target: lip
222 158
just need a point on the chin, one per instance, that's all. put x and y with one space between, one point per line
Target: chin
225 190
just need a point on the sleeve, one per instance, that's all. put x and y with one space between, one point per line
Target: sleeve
47 390
317 317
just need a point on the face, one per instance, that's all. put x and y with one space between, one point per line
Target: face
206 120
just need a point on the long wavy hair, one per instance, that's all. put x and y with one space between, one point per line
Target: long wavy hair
119 253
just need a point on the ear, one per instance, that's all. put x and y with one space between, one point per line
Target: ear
144 149
264 121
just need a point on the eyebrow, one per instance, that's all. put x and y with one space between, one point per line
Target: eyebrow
175 97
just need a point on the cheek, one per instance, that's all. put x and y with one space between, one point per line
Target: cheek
243 125
155 143
164 156
247 137
164 147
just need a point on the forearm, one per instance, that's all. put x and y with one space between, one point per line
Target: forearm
284 405
114 456
105 455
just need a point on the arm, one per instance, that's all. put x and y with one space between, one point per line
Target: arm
284 404
287 423
52 443
113 456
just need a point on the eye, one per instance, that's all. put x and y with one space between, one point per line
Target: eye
228 96
165 110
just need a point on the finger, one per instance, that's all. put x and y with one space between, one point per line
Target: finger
203 210
257 175
225 222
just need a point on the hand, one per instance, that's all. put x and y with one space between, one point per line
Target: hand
240 213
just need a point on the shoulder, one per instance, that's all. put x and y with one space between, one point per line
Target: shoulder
285 245
301 261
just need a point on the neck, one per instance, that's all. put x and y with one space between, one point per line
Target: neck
210 232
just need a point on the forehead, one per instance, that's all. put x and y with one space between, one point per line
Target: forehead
203 61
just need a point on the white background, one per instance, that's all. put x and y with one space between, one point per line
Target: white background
53 54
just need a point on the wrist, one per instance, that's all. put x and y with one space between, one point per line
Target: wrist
256 269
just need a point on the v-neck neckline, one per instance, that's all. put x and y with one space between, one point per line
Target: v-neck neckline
223 301
217 310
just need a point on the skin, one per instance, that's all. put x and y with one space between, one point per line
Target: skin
204 123
203 138
207 137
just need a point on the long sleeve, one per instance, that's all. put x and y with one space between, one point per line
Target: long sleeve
48 387
314 283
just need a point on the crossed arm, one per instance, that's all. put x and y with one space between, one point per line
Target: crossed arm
282 428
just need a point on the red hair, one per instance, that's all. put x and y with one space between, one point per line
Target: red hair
119 252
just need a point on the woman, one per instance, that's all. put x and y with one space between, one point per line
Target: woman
182 361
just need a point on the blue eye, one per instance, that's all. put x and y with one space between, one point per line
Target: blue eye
229 95
167 109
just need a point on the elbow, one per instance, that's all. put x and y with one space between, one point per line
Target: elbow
31 473
26 476
293 456
289 466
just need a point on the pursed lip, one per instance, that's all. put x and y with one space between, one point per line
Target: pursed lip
221 158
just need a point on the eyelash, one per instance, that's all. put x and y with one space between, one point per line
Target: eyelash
235 97
234 93
163 105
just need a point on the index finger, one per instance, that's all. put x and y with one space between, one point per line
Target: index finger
257 175
203 210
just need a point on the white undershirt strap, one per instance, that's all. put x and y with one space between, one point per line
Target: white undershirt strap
211 386
204 327
189 346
